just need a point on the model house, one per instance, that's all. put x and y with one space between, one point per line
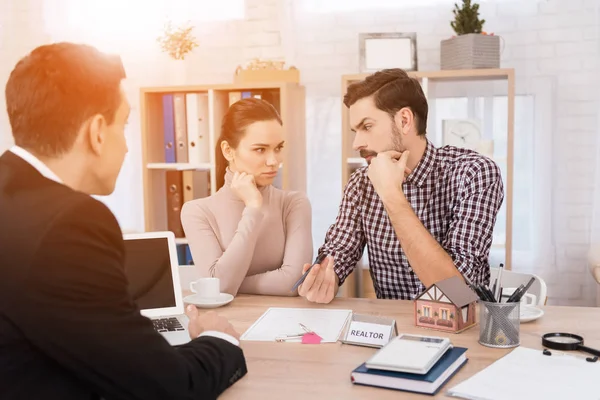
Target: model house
448 305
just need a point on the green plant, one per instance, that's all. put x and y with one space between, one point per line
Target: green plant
451 316
177 42
466 19
419 312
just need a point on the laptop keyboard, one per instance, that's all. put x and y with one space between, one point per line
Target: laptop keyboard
167 325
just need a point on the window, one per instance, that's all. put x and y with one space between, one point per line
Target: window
444 313
492 111
111 25
426 311
321 6
332 6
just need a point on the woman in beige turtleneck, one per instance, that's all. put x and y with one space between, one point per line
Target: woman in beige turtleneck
252 236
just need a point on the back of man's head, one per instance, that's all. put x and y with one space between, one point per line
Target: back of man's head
392 90
53 90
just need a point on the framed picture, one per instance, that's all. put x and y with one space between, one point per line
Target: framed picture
387 50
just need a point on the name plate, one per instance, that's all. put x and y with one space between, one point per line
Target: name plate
369 331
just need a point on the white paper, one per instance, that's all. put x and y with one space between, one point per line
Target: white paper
275 322
528 374
388 53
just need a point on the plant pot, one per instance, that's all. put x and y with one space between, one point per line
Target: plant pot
470 51
176 71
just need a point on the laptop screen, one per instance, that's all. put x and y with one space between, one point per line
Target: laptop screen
148 270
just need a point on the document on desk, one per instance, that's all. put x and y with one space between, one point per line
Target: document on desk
526 373
276 322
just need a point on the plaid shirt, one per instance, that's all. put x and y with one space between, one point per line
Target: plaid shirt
456 194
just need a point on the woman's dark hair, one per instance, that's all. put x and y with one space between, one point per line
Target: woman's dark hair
241 114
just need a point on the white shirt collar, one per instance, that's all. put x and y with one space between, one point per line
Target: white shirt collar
35 163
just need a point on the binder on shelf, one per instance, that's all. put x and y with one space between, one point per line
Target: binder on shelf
197 128
273 97
169 128
184 255
234 96
174 182
196 185
181 140
188 256
181 260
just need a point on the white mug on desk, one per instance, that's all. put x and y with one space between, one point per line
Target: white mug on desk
208 288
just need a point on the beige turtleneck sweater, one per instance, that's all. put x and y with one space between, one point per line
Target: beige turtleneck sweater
257 251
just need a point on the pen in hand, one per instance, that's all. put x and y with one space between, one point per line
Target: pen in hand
318 260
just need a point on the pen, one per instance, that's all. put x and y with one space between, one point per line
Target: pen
524 290
318 260
496 290
515 294
489 294
484 293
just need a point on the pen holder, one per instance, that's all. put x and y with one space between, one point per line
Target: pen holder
499 324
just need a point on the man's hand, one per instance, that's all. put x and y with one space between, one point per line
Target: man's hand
321 283
387 172
209 321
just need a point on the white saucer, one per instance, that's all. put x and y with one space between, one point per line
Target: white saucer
224 298
529 313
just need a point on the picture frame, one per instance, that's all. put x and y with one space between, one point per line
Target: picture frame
379 51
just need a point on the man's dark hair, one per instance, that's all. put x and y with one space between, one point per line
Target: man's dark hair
53 90
392 90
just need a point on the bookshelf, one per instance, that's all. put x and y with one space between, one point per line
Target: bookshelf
448 84
180 128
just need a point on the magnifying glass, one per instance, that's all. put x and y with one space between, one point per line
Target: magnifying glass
567 341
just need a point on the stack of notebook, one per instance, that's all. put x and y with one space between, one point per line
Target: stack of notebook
412 363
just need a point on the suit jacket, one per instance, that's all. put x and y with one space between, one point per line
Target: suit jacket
68 326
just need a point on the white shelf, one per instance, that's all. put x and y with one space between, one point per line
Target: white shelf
179 166
181 241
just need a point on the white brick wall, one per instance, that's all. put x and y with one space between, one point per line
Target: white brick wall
553 39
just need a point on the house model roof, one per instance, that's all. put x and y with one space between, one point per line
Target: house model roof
456 290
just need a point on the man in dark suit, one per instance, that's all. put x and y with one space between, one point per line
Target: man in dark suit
68 327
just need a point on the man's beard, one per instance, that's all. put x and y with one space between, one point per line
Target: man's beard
396 145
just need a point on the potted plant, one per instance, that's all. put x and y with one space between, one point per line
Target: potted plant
472 47
177 42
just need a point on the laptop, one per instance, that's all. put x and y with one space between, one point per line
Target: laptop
152 269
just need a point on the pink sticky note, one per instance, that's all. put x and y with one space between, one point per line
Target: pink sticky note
311 338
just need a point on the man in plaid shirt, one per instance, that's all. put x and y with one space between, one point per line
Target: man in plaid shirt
425 213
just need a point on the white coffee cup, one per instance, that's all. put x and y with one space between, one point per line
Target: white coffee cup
207 288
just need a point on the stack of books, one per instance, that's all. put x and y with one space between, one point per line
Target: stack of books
413 363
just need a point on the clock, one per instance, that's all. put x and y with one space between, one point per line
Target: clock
465 133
